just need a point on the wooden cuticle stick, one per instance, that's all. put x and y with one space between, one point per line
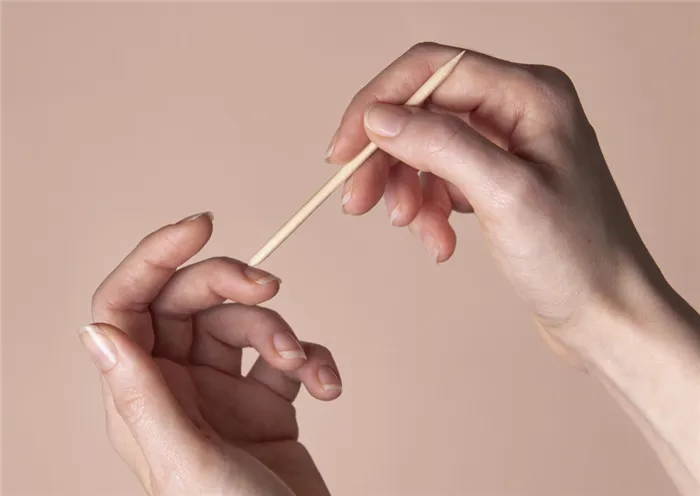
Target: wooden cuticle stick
348 169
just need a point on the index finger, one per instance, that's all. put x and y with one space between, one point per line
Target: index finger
479 81
124 297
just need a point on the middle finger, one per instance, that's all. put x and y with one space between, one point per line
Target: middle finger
199 287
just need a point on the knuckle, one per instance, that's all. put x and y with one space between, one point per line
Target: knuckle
318 352
219 264
424 47
269 315
321 350
266 318
553 76
131 406
555 92
443 134
520 189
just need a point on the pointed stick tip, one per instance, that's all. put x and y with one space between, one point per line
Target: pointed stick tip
457 57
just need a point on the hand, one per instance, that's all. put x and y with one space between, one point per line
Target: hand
179 411
510 143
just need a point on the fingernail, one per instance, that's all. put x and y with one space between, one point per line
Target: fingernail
329 379
287 346
432 247
100 347
197 216
259 276
331 146
386 120
348 193
395 214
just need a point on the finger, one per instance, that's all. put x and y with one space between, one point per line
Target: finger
122 440
479 122
403 195
431 226
435 192
451 150
495 90
214 353
372 177
240 326
319 374
124 296
142 399
459 201
198 287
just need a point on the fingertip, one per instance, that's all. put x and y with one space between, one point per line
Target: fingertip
287 353
435 233
403 213
364 189
202 224
260 277
403 195
258 285
99 344
329 384
207 215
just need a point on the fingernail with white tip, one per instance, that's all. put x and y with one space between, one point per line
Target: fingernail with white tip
259 276
197 216
395 214
432 247
329 379
348 193
99 346
287 346
331 146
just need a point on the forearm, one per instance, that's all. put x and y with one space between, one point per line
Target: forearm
647 355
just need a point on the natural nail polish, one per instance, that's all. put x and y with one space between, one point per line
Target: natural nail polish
259 276
197 216
329 379
287 346
99 346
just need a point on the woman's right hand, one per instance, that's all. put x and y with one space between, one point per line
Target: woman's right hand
510 143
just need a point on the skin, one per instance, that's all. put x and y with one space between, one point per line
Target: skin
179 411
511 144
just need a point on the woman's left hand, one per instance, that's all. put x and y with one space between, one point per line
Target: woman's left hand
179 410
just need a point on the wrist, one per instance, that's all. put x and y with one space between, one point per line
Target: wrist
644 347
643 310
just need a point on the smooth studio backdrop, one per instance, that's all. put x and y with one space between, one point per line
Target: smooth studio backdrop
118 118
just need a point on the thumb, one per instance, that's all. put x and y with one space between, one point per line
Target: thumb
166 436
448 148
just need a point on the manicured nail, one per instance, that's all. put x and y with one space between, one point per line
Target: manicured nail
331 146
197 216
432 247
99 346
348 193
287 346
259 276
329 379
386 120
395 214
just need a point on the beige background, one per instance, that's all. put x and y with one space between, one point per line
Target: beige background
120 118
